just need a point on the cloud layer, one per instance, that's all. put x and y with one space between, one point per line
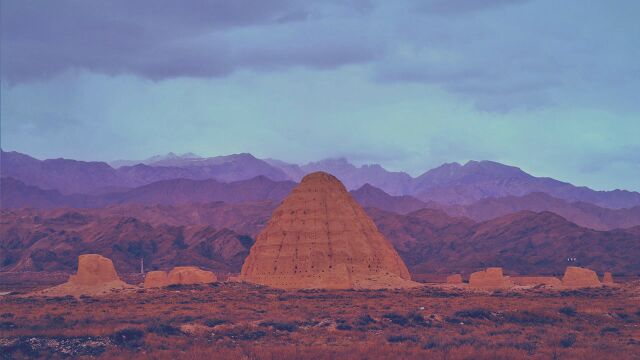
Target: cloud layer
498 54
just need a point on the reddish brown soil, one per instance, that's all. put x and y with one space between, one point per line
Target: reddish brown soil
233 320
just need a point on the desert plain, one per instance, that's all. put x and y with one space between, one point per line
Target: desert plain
240 320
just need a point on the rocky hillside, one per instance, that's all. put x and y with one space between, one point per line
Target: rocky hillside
217 236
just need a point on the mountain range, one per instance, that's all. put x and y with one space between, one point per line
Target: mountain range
185 209
53 243
16 194
523 242
38 185
217 236
449 184
71 176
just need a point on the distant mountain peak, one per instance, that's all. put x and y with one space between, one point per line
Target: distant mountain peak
243 155
335 161
370 190
170 156
490 165
368 187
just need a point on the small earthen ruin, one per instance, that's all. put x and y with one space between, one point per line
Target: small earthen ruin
491 278
577 277
180 275
96 275
608 278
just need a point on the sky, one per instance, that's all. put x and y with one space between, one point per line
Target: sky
552 87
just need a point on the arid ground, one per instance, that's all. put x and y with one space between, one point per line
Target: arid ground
235 320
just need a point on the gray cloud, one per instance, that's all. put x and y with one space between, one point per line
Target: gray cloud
523 57
159 39
498 55
627 155
449 7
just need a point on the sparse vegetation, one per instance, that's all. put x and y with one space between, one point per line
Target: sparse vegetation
164 329
280 326
237 320
527 317
364 320
244 333
568 340
401 338
6 325
568 310
475 314
609 330
215 322
396 319
129 338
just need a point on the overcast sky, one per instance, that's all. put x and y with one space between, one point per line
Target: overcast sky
549 86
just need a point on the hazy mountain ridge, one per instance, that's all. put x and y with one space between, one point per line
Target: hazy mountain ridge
71 176
476 180
449 184
16 194
153 159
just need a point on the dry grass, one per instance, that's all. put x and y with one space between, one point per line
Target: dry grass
234 320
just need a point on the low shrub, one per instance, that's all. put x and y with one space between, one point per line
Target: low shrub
476 313
568 310
568 340
622 315
130 338
364 320
242 333
7 325
417 319
280 326
215 322
462 341
504 332
164 330
344 327
56 321
609 330
529 347
401 338
397 319
430 344
61 299
183 319
528 318
21 346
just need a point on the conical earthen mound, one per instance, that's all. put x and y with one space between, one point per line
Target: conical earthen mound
319 237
